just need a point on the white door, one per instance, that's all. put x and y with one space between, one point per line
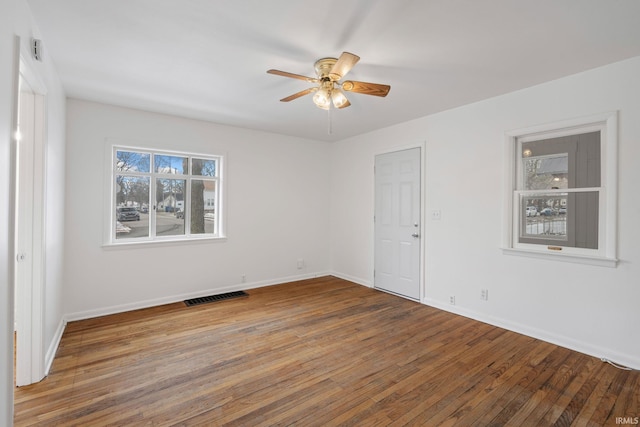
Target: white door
397 223
29 232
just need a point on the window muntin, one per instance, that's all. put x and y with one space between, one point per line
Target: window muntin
155 197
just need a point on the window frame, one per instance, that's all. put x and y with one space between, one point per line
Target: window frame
111 203
605 254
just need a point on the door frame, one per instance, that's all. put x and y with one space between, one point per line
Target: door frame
422 145
29 300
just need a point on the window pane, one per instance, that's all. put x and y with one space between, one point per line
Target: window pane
132 207
585 209
132 161
203 207
545 216
565 219
546 173
171 164
204 167
170 207
564 162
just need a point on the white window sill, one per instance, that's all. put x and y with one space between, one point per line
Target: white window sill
564 257
152 243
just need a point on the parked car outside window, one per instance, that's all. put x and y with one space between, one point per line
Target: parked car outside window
547 212
128 214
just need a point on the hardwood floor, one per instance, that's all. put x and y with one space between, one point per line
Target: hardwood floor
321 352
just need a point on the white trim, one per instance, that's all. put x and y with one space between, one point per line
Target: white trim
555 256
8 368
353 279
605 255
564 127
105 311
163 242
560 340
111 146
560 191
53 347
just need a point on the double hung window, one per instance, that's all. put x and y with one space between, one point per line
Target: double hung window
561 201
164 195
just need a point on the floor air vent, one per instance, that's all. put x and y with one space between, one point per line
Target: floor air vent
214 298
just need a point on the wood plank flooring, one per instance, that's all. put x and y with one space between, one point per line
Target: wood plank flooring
321 352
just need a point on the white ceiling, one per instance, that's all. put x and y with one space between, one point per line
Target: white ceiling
207 59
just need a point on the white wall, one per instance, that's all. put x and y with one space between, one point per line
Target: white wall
587 308
54 214
15 20
277 212
6 247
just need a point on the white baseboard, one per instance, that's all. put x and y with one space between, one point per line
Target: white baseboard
353 279
53 346
105 311
547 336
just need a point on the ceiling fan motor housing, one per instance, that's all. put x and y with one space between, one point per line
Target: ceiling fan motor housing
324 66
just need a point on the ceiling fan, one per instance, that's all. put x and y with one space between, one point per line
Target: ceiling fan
329 88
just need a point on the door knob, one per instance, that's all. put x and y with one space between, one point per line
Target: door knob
416 235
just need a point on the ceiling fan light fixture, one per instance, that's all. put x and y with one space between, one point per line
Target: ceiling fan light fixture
322 98
338 98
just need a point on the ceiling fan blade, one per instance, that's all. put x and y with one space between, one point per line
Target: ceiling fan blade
366 88
293 76
344 65
299 94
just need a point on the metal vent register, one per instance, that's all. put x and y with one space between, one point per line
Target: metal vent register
215 298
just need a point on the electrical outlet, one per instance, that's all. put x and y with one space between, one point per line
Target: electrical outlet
300 264
243 278
484 294
436 215
452 300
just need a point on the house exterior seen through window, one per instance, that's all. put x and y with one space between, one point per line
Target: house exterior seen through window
164 196
559 191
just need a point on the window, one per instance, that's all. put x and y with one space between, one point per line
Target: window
164 196
561 198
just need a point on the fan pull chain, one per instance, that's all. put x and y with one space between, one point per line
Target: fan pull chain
329 130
